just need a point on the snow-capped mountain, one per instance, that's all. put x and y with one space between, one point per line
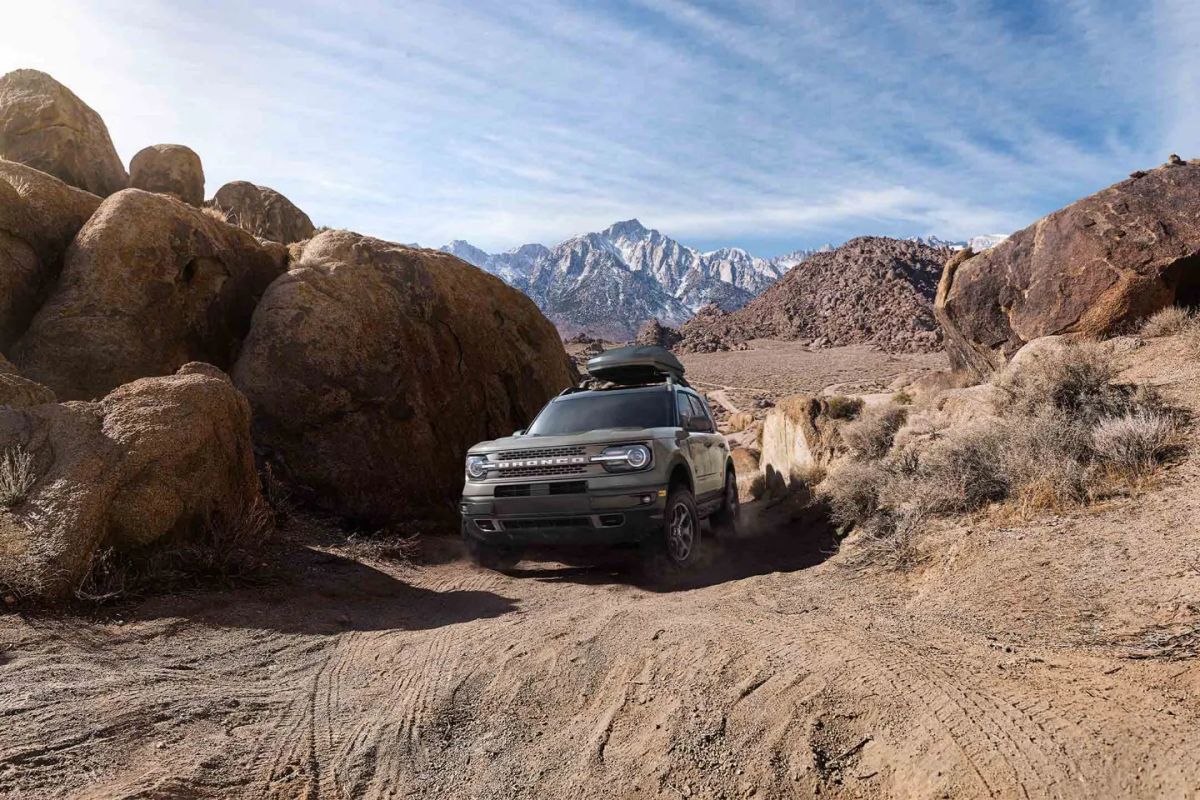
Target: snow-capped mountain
976 243
610 282
984 241
788 260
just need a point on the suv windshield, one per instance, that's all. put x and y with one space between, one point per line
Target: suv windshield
588 412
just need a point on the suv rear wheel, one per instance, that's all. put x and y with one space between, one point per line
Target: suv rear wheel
490 556
676 550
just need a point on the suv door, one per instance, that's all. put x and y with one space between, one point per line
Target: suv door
694 442
712 449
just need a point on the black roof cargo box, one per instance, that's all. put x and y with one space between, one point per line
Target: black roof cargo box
628 366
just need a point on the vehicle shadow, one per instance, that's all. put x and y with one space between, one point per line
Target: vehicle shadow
780 537
322 593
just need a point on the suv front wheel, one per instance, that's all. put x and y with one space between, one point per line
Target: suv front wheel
725 519
676 549
490 556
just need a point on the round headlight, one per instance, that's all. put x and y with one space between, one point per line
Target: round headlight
638 456
477 467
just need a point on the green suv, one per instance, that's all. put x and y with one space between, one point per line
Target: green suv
638 463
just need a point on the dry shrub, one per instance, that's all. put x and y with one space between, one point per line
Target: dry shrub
964 470
889 539
902 398
1135 443
1077 380
870 437
1168 322
842 407
1063 429
17 476
852 492
1191 338
388 545
226 550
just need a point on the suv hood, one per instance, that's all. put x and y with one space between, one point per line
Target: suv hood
602 436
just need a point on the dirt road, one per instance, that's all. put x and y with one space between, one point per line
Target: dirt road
353 679
1055 657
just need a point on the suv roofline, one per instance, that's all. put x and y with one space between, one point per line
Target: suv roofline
670 382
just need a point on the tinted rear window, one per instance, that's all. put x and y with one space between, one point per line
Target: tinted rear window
587 412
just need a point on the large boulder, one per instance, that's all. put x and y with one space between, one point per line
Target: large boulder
263 211
158 459
373 366
1085 270
149 284
43 124
799 437
169 169
39 216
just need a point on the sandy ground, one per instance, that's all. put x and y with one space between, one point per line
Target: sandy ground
778 369
1054 657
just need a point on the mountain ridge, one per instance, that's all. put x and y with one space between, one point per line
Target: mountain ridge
610 282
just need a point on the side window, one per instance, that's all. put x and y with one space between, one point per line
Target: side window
699 410
685 408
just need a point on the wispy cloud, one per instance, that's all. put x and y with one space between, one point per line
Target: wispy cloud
771 124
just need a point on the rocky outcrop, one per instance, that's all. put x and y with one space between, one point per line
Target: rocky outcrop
44 125
372 367
157 459
655 333
169 169
871 290
39 216
149 284
745 467
263 211
1085 270
18 391
798 436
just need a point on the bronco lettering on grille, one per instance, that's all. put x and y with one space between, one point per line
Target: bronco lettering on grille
541 462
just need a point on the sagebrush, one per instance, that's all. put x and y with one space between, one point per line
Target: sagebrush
17 476
1169 322
1062 431
224 550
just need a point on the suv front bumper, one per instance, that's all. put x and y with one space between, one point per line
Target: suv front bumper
619 513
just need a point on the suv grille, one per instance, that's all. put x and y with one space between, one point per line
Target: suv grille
539 489
557 469
543 452
555 522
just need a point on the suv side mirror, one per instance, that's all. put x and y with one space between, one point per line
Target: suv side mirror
519 433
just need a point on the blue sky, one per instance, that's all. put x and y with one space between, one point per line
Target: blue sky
766 124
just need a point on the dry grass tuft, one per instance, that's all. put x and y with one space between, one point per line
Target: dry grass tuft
17 476
393 546
1168 322
1135 444
219 214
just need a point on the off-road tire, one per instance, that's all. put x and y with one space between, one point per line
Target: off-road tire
672 553
490 556
724 519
